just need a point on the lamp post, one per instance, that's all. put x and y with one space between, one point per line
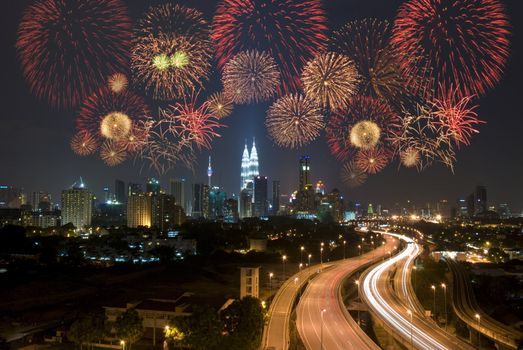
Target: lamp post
444 286
321 329
302 248
433 287
122 343
321 258
359 247
270 282
344 244
358 284
283 258
478 317
411 337
310 256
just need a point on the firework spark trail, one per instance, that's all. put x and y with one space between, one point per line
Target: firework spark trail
220 105
84 143
291 31
352 176
112 153
67 48
372 160
294 121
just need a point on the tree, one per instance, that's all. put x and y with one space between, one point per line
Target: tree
88 329
129 327
243 321
202 329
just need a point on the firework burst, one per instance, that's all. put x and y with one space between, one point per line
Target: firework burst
455 115
117 82
250 76
290 31
109 115
372 161
410 158
343 139
169 65
352 176
84 143
112 153
463 43
367 43
294 121
220 105
67 48
330 79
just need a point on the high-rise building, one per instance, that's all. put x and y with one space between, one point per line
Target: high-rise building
249 170
139 210
253 162
245 168
77 206
177 189
134 189
230 210
11 197
198 200
205 201
480 200
168 213
305 172
107 195
246 202
209 173
119 191
153 186
470 205
320 187
275 197
217 199
40 201
260 207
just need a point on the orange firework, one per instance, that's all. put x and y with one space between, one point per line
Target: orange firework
220 105
112 153
117 82
372 161
84 143
330 79
251 76
294 121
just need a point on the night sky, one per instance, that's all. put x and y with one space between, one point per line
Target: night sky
35 153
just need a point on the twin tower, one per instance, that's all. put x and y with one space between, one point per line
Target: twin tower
250 167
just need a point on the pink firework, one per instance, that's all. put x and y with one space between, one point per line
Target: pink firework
455 116
372 161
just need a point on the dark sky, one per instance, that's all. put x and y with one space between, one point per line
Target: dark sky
35 153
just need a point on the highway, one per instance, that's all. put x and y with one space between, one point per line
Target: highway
396 308
276 332
466 308
322 319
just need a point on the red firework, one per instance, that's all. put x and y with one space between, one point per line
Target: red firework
455 116
192 123
361 108
373 160
464 43
105 102
291 31
67 48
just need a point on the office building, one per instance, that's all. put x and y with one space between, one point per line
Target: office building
139 210
107 195
480 200
40 201
275 197
305 196
200 206
119 191
217 199
230 211
246 202
134 189
168 213
305 172
260 207
249 170
77 206
177 189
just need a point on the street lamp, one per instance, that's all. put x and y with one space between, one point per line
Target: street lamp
321 331
411 338
358 284
359 247
301 265
310 256
433 287
270 281
283 258
302 248
444 286
295 280
344 244
478 317
414 268
122 343
321 257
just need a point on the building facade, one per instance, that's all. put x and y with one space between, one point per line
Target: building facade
77 206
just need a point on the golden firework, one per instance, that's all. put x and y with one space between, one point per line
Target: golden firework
251 76
112 153
83 143
294 121
330 79
117 82
220 105
365 134
410 158
352 176
115 126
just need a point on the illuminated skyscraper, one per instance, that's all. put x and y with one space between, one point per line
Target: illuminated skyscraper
209 173
260 196
139 210
253 162
77 206
245 168
305 172
177 189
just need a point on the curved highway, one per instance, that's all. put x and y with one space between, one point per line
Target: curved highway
322 319
466 308
397 310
